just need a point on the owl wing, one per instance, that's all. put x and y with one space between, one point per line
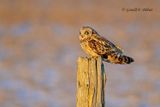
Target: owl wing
102 46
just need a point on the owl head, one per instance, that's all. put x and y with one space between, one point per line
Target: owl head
86 32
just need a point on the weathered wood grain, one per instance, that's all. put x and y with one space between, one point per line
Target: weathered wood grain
91 80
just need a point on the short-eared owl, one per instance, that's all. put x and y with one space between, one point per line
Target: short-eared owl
95 45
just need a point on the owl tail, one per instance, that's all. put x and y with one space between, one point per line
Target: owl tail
125 59
121 59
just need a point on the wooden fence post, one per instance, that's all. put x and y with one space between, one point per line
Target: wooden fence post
91 81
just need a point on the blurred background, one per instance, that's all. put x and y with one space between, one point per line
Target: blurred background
39 48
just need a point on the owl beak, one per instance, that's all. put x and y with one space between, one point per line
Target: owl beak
82 36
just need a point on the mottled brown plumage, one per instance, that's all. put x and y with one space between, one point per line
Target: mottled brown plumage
95 45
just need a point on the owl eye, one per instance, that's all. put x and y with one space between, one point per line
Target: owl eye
86 32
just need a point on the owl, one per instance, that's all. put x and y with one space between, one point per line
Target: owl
95 45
